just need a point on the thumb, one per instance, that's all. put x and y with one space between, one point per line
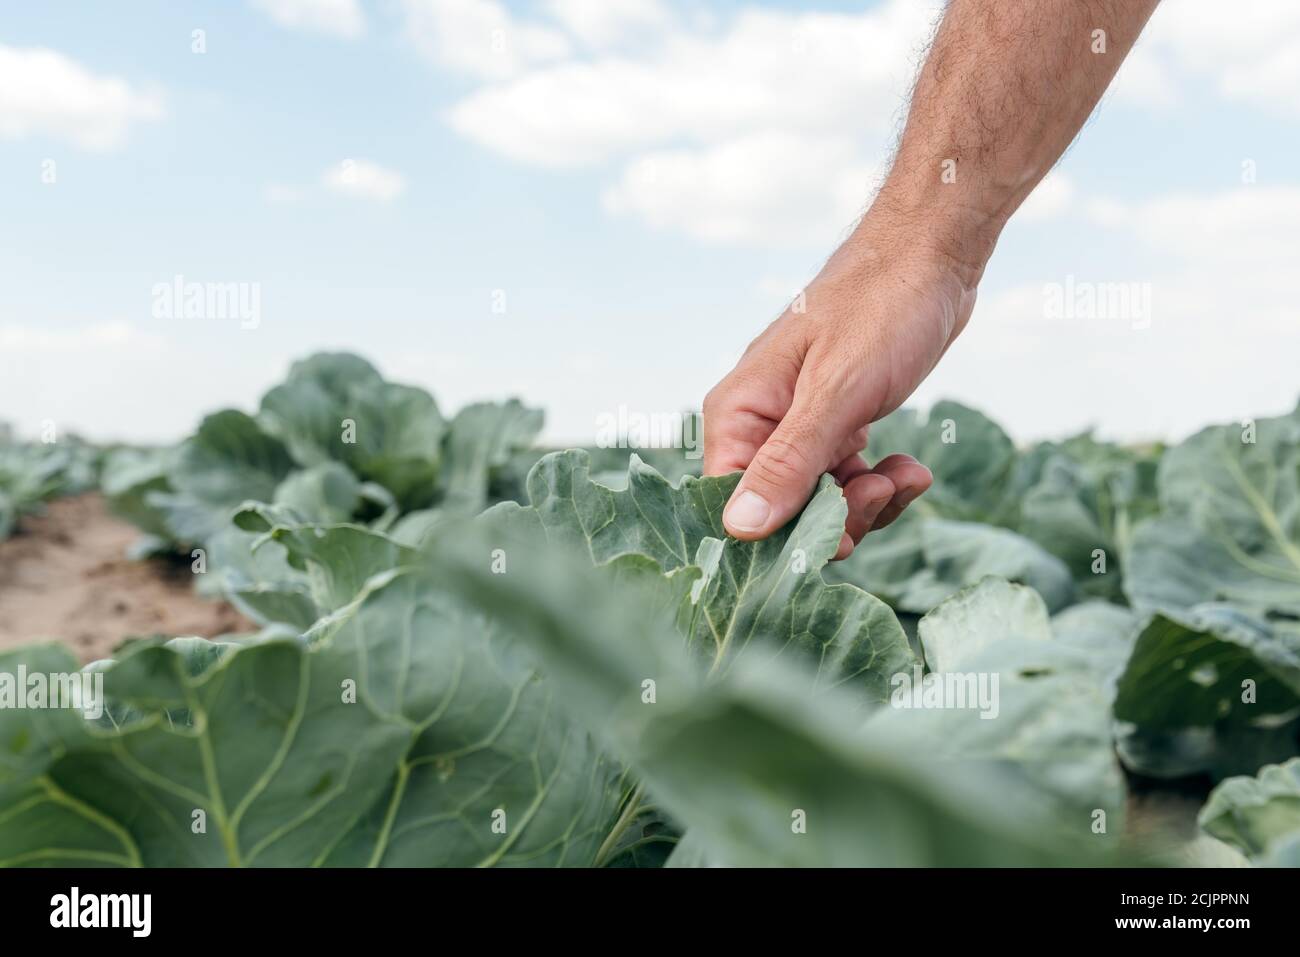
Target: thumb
782 475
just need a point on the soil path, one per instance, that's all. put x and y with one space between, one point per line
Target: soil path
64 576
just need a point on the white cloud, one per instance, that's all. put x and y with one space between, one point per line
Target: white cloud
810 73
103 379
1105 211
1206 36
771 188
342 18
480 38
44 93
364 179
700 115
764 128
607 24
16 337
1219 342
1254 224
704 118
1273 81
1251 51
1144 79
94 379
1050 198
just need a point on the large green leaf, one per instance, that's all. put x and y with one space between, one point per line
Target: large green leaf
1074 500
450 733
969 454
919 561
489 734
336 407
228 460
128 478
1208 666
399 433
39 823
1229 530
761 765
1207 690
1257 815
33 472
1082 508
990 615
1105 632
325 493
608 466
295 571
334 373
1014 694
1214 680
769 592
482 440
306 411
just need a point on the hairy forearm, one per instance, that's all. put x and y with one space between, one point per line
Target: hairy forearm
1007 85
1004 90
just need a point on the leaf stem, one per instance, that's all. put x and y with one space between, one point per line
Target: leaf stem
630 812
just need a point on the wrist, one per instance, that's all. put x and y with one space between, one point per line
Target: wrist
956 235
912 265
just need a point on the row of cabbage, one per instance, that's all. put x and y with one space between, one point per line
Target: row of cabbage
471 652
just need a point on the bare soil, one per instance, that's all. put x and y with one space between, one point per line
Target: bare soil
64 576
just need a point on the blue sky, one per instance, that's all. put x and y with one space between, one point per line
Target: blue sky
645 182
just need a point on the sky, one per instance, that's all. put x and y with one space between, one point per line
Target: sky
596 204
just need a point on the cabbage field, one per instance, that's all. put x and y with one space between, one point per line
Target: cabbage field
471 651
32 473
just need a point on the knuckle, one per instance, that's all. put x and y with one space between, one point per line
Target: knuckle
781 462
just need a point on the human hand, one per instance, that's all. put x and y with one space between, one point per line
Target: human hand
799 402
892 299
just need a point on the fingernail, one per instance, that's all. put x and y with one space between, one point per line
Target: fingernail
747 511
907 498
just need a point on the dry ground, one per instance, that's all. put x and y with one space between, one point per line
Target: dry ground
64 576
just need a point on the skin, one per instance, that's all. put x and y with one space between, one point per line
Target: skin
1006 86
